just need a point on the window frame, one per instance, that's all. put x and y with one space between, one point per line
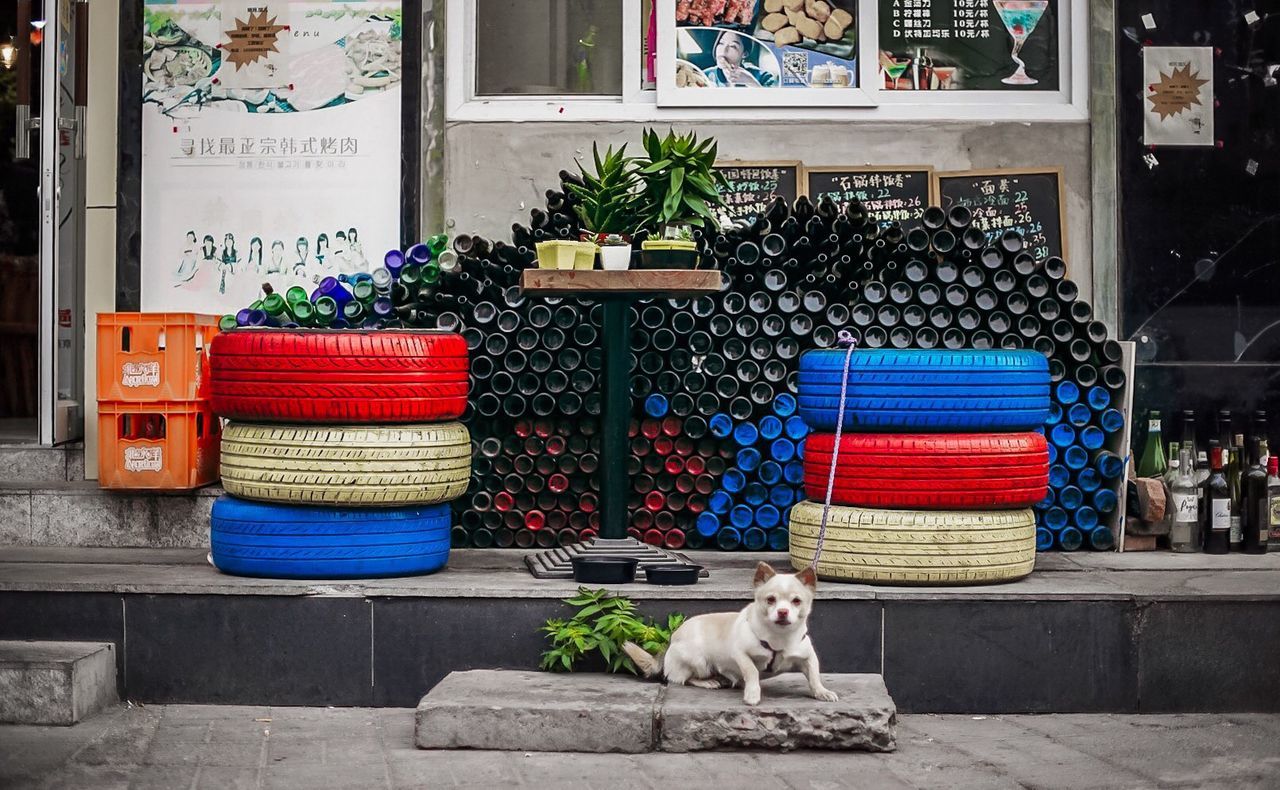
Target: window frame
1069 103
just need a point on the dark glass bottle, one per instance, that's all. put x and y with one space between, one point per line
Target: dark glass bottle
1255 516
1217 512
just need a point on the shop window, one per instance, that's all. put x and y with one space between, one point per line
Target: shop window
548 48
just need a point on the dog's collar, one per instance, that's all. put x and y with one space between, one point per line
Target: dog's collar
775 654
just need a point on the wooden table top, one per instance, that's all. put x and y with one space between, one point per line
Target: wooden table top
629 282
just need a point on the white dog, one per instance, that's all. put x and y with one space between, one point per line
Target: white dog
769 636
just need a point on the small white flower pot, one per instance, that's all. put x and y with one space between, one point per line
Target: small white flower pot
615 257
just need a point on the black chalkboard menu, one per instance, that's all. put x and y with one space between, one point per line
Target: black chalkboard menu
1030 201
752 185
889 192
989 45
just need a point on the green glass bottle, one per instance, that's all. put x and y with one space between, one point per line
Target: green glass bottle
430 273
275 306
227 322
411 277
326 310
364 292
1153 463
295 295
304 313
354 312
257 305
437 244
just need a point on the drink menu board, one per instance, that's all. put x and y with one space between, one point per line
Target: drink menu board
753 185
969 45
1029 201
898 193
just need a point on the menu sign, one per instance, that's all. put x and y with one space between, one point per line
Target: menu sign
1029 201
753 185
969 45
890 193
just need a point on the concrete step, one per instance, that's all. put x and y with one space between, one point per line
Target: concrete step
79 513
36 464
549 712
55 682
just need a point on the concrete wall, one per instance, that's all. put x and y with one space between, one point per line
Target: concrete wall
496 172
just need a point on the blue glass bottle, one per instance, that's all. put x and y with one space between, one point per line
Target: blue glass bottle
1098 398
1049 499
1112 421
707 524
784 404
728 539
721 425
1063 435
782 496
1059 476
242 317
419 253
1075 457
733 481
770 427
1102 539
770 473
748 459
741 516
1092 437
1053 452
1070 497
656 405
793 473
755 494
754 539
1044 539
1088 479
329 286
1086 518
779 539
768 516
1079 415
1070 539
782 450
394 262
796 428
1105 500
746 434
719 502
1067 393
1055 414
1109 465
1055 518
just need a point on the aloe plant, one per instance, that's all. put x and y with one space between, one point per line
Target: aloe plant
609 198
681 184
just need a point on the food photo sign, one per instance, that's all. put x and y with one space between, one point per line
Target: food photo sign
270 146
758 53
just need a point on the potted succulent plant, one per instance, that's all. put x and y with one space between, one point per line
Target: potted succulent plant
607 203
681 191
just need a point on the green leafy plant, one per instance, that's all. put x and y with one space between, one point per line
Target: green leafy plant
600 626
609 198
681 184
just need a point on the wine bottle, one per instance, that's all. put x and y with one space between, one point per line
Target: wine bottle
1216 525
1255 517
1273 503
1153 464
1234 465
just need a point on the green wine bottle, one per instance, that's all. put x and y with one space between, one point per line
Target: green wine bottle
437 244
354 312
275 306
304 313
227 322
364 292
326 311
1153 463
295 295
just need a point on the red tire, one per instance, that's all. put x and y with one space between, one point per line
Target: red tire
282 375
956 471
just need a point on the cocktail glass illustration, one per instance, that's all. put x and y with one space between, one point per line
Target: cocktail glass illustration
1020 17
894 69
943 77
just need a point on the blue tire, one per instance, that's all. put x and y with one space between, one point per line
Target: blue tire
926 391
288 542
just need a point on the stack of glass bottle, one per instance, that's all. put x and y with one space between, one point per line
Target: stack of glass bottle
724 367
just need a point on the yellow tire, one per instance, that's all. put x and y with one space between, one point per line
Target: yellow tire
944 547
349 465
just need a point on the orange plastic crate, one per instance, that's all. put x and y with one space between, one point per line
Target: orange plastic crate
167 445
150 357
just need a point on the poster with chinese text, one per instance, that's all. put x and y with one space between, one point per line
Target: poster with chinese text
1178 105
283 184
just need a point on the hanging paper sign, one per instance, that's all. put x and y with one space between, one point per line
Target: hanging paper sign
284 184
1178 105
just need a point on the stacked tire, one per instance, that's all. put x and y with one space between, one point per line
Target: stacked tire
342 452
940 461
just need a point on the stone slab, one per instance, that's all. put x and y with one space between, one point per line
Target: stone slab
538 712
787 718
55 682
508 710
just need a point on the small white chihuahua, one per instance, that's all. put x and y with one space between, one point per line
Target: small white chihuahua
769 636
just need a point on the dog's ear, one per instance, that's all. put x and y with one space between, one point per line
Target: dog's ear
764 573
808 577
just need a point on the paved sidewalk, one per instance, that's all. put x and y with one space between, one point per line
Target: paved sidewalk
196 746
